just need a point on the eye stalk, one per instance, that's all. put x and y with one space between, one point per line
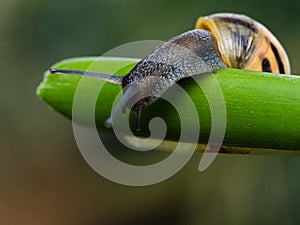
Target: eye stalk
102 76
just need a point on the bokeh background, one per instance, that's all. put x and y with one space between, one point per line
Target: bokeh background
44 179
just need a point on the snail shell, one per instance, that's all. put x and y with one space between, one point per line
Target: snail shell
245 43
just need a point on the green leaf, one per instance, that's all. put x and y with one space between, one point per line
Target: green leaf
262 108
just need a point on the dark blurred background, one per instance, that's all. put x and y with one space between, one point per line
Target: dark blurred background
45 180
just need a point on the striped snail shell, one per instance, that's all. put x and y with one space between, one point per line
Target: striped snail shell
245 43
219 41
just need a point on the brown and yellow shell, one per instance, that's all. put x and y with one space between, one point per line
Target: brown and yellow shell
245 43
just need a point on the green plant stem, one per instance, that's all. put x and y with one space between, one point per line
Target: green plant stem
262 108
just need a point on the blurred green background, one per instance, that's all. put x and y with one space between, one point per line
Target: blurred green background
45 180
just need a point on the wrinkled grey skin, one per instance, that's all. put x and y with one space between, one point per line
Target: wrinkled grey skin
191 53
188 54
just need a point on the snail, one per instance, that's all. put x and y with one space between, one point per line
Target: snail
218 41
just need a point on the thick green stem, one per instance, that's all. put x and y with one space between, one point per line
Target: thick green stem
262 109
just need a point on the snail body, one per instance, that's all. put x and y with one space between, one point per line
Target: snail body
219 41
